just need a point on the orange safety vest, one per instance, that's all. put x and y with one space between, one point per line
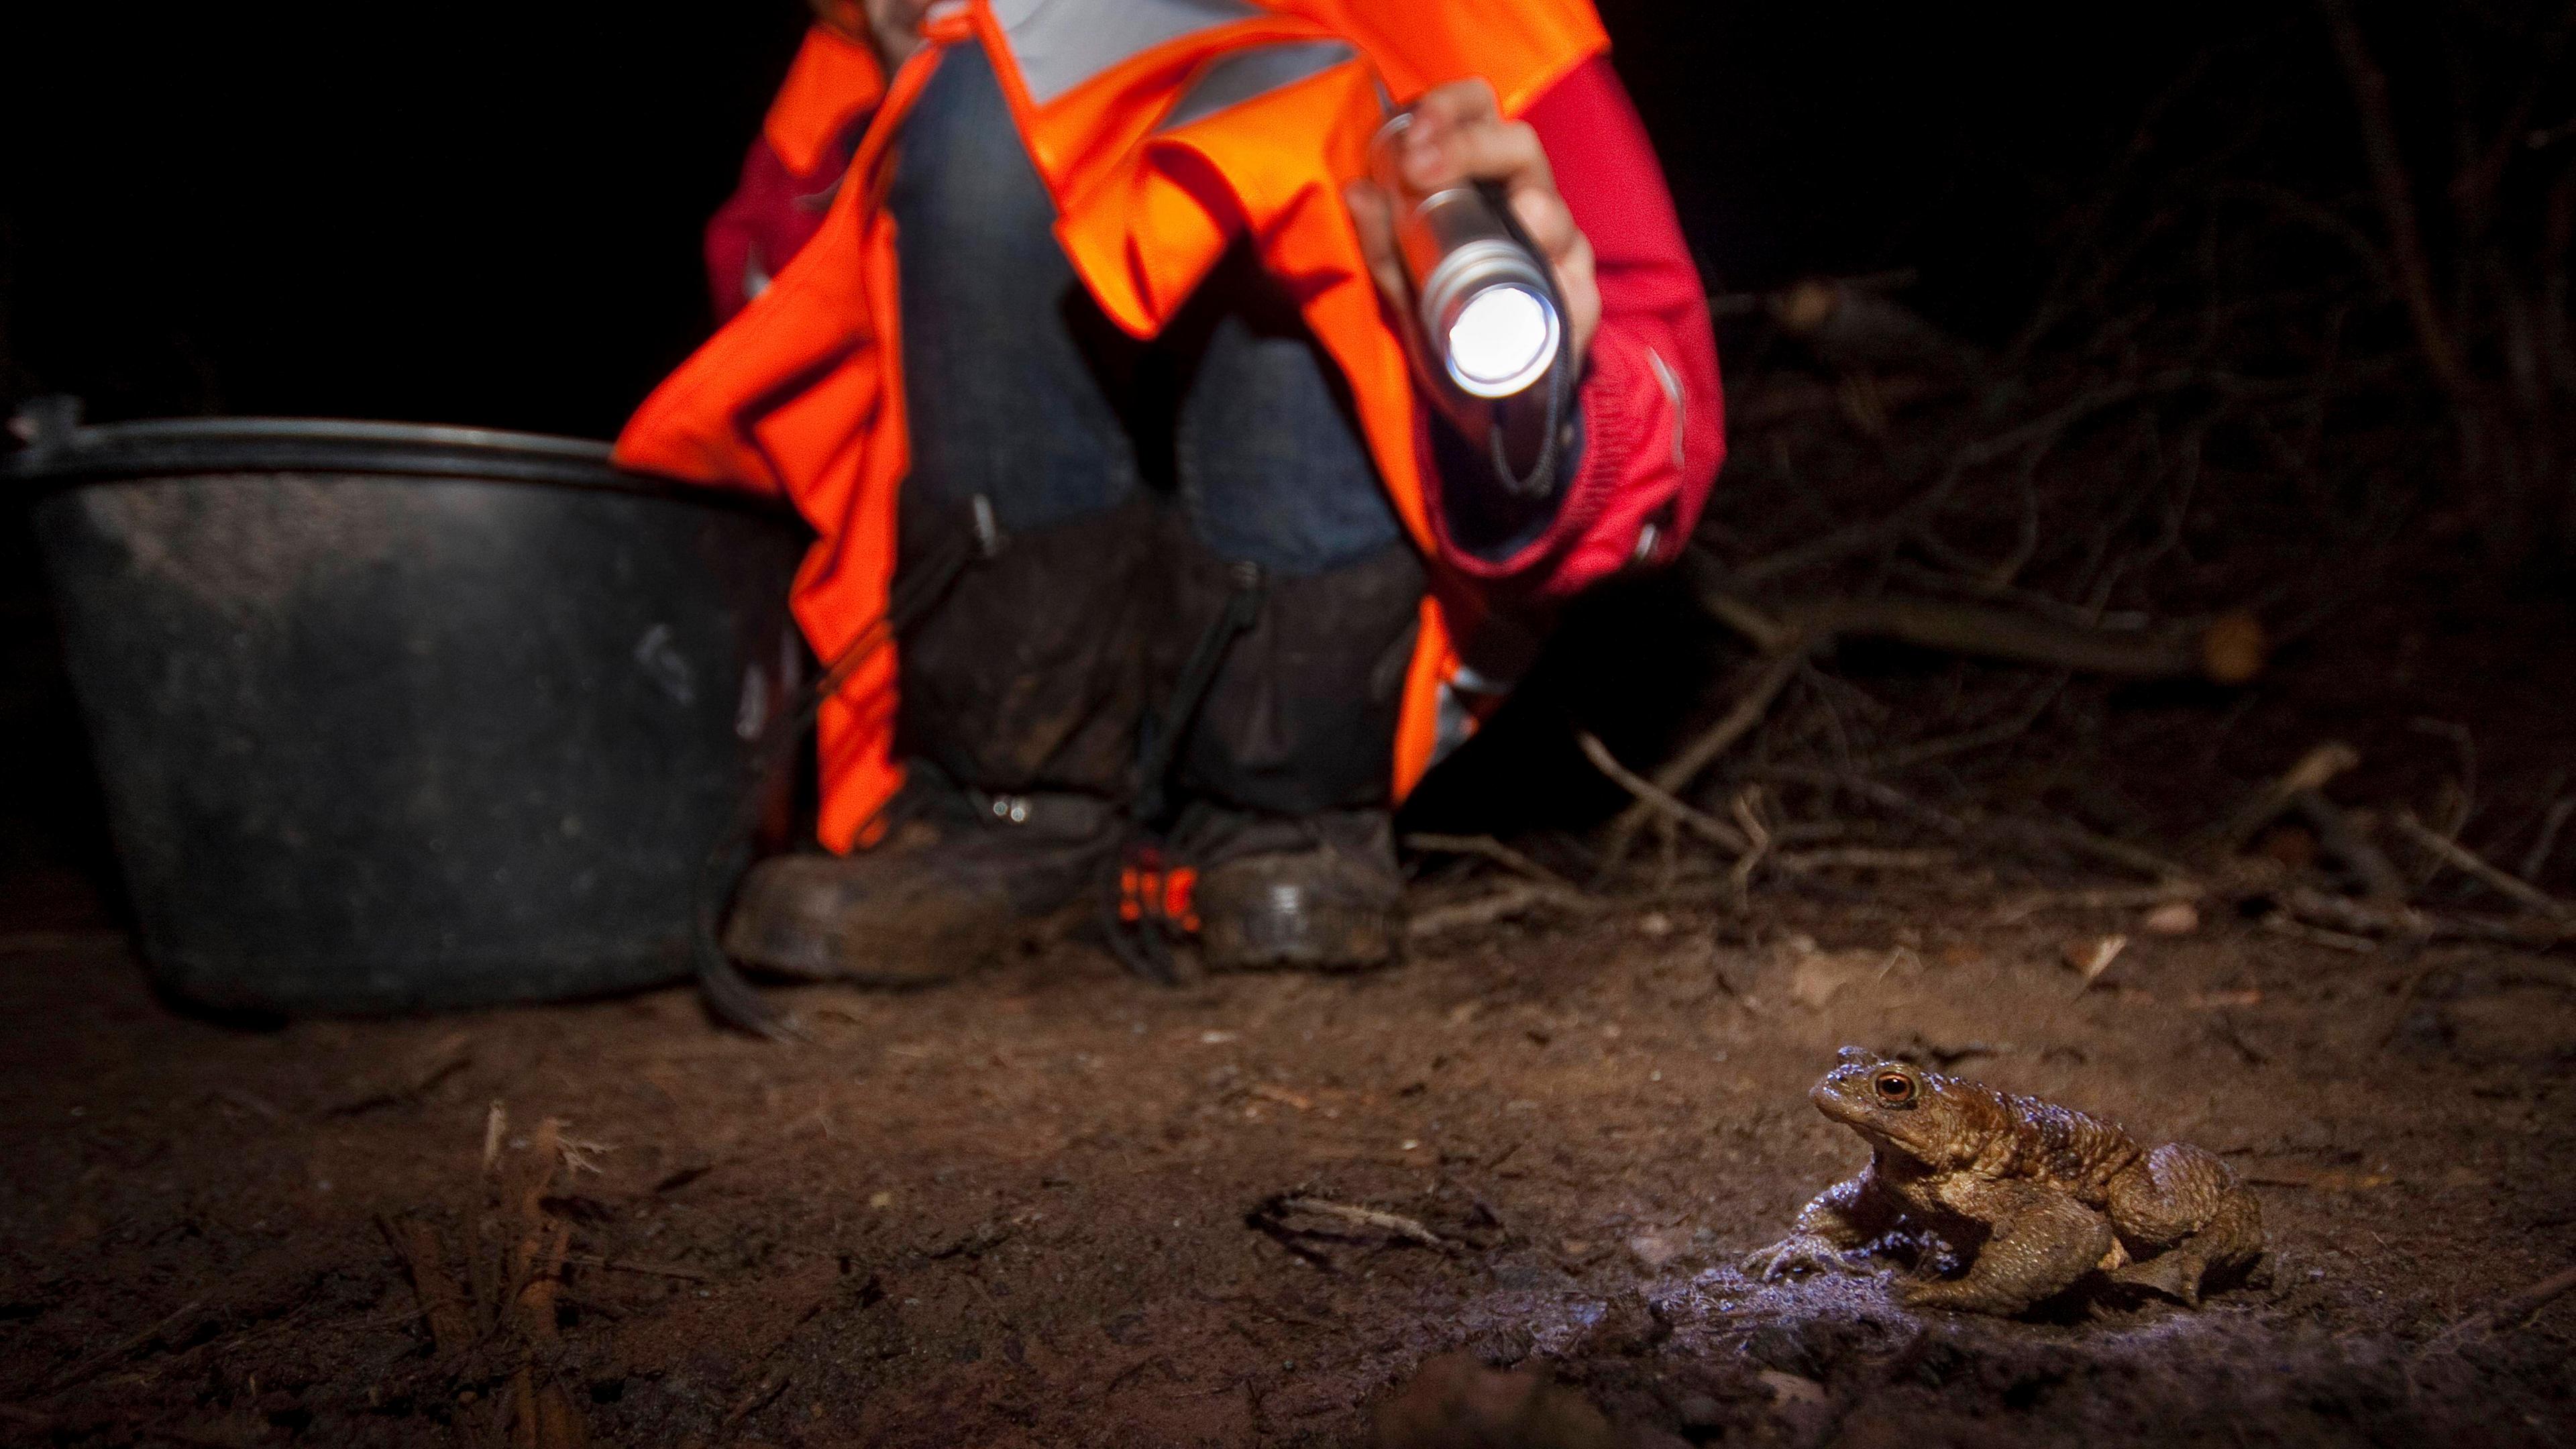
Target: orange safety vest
1164 130
831 83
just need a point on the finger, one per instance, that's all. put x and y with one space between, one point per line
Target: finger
1374 219
1544 216
1508 152
1579 289
1459 103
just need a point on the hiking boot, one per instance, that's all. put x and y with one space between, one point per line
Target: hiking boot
1320 893
949 890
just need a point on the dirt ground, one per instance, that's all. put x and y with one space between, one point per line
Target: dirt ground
1045 1205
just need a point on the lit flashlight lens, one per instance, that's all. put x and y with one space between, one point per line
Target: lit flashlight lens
1502 341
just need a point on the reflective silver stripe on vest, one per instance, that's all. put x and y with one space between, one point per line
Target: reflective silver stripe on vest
1681 401
1249 73
1454 723
1059 44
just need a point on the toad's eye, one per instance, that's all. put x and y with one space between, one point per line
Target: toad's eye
1894 1088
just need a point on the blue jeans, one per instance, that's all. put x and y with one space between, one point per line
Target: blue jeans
1128 475
1021 390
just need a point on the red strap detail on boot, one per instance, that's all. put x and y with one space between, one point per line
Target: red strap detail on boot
1149 891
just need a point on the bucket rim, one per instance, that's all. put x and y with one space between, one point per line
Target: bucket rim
296 429
179 447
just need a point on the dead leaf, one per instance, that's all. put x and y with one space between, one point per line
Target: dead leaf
2173 918
1656 1250
2090 956
1788 1389
1819 976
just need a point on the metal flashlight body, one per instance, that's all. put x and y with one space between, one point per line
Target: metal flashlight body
1483 297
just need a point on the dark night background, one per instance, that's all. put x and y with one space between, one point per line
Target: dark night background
489 214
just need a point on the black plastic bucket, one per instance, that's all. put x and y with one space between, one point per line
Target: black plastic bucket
392 717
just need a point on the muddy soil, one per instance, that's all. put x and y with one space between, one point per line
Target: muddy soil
1044 1205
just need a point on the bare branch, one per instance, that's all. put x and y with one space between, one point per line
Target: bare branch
1653 799
1488 848
2470 863
2394 190
2227 650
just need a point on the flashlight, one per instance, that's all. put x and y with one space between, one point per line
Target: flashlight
1482 295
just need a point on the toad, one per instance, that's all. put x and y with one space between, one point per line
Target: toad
2040 1194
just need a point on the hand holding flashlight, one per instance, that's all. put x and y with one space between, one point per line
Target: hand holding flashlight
890 27
1453 137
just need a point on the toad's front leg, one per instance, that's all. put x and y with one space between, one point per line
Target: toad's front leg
1844 1216
2041 1242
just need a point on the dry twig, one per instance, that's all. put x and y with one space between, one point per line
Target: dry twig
2283 923
1748 814
496 1130
1409 1229
2227 650
1876 792
2536 859
444 1058
81 1371
2313 771
2393 920
1518 899
1861 857
542 1413
443 1304
761 1396
2075 838
2346 842
2118 898
2511 1310
2394 190
2468 862
1654 799
1488 848
1770 676
648 1270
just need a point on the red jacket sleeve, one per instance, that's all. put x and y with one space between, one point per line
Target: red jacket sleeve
1653 425
793 169
772 213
